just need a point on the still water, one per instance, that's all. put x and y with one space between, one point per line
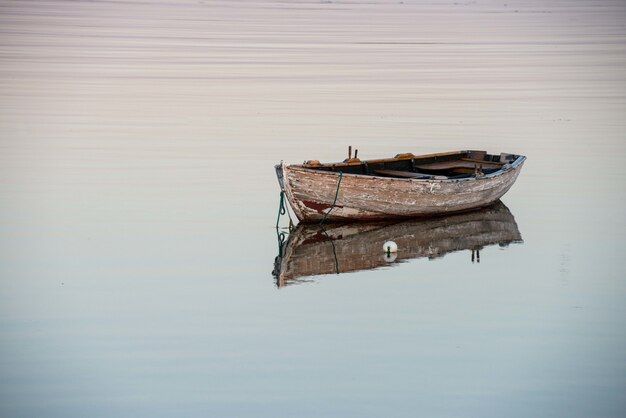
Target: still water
138 255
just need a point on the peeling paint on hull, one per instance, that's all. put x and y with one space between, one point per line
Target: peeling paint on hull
311 194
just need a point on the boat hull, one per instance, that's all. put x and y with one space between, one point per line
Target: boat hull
313 250
311 194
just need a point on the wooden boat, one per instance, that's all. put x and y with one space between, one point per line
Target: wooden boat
312 250
400 187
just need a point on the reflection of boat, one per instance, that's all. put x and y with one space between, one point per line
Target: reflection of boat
312 250
400 187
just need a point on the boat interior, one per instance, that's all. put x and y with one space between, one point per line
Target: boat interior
451 165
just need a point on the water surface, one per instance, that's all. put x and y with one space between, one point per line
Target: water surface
138 201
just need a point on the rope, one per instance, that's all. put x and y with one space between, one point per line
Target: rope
281 207
281 242
279 257
334 201
334 249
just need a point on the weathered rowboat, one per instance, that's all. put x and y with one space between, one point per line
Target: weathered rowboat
312 250
400 187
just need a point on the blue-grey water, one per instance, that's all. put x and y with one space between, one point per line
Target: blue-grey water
138 202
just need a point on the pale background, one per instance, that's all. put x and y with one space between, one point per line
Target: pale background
138 202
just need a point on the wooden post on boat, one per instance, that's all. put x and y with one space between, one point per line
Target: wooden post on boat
349 152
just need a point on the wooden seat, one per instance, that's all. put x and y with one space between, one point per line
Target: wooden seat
408 174
457 164
484 163
404 174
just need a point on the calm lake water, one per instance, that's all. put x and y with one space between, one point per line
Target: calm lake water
138 201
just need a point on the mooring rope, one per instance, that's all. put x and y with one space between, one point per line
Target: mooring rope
281 242
281 207
334 249
334 201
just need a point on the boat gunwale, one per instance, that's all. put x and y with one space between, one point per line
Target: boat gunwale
512 165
